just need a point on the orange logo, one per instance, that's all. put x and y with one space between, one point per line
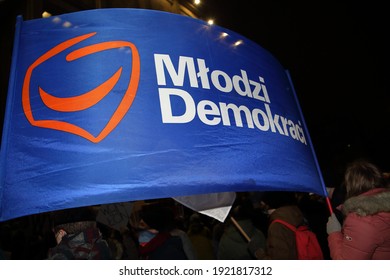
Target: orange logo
85 100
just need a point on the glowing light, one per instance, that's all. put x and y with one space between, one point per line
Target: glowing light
196 2
237 43
210 21
46 14
224 34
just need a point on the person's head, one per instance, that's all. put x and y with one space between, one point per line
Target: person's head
196 224
242 208
158 217
361 176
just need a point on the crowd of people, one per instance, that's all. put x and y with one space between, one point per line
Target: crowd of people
356 226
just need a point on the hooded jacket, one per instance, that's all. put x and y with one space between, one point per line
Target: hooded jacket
365 234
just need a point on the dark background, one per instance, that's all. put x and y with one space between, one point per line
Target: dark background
337 56
337 53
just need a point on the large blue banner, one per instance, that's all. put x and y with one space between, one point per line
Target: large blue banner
116 105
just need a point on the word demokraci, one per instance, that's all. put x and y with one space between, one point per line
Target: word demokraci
211 113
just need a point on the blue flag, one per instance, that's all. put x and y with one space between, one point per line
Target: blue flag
116 105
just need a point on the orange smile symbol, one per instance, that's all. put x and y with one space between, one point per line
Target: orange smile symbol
85 100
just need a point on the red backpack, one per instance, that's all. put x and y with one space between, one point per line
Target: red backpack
308 247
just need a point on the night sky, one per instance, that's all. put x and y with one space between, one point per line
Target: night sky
338 58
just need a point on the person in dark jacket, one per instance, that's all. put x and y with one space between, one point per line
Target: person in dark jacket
233 244
365 232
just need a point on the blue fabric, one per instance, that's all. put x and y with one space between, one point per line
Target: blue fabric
115 105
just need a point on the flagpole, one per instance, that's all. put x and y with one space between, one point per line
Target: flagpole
240 229
310 144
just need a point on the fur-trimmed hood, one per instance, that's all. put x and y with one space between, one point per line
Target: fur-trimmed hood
369 203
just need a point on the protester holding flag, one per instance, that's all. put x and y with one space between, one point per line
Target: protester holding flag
365 232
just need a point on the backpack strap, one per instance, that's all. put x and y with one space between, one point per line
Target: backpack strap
290 226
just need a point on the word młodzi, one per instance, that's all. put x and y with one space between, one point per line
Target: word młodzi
211 113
